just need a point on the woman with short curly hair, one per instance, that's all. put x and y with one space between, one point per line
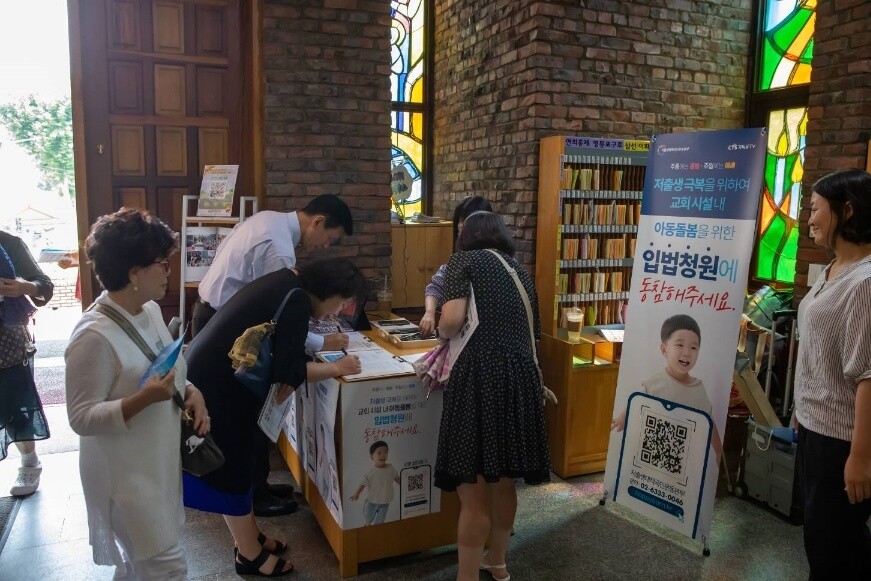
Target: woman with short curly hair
129 457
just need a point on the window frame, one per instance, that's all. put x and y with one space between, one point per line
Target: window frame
426 108
758 106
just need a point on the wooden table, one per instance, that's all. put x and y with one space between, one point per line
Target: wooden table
377 541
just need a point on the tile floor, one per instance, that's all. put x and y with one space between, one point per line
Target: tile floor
561 533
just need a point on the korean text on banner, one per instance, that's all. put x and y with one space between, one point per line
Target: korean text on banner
695 240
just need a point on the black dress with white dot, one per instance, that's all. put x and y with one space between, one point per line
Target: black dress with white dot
493 419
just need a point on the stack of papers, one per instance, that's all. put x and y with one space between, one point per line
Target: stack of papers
612 335
374 363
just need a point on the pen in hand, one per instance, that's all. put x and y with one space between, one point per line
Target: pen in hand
339 329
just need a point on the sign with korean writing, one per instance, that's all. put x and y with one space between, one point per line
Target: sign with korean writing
390 433
695 240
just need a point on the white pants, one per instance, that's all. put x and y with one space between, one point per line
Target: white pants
169 565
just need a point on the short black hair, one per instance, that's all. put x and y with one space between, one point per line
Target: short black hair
466 207
336 212
330 277
376 445
483 230
851 186
677 323
126 239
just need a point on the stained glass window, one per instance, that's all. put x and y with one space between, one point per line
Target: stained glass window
781 195
780 103
787 43
408 130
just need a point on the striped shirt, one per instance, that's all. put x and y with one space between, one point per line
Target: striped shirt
834 354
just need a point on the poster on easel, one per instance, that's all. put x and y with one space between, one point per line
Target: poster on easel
390 433
217 190
695 242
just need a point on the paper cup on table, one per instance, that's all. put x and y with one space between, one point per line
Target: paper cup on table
385 301
575 319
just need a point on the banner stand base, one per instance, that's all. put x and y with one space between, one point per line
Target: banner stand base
706 549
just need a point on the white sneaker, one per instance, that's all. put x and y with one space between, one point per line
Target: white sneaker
27 481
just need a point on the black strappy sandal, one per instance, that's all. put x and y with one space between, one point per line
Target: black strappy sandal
252 567
279 546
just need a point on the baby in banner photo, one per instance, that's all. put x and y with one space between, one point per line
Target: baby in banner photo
681 340
378 483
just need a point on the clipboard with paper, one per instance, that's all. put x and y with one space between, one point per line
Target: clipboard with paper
374 363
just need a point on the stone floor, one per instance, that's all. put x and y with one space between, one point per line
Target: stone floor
561 531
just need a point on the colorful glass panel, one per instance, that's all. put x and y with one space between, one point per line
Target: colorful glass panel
787 43
781 195
407 150
407 39
408 54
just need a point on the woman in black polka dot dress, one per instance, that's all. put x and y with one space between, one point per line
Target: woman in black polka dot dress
492 428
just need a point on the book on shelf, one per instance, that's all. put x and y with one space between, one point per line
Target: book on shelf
201 244
217 190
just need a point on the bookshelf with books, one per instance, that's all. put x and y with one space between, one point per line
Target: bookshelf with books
589 206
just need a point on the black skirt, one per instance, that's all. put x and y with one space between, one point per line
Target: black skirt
21 415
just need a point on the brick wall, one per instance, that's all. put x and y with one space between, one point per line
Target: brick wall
327 108
510 72
839 114
64 295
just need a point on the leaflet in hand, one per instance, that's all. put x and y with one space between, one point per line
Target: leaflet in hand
272 414
164 362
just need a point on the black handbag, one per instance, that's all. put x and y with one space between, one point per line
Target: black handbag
256 374
199 454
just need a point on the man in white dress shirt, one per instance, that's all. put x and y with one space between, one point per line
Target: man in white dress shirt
264 243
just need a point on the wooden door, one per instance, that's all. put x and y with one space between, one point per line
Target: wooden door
158 91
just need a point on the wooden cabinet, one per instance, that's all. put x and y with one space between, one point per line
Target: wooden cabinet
418 251
589 202
578 428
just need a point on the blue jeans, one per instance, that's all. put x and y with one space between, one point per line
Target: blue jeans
375 513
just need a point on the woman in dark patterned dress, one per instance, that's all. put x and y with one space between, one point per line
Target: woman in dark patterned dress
492 428
23 287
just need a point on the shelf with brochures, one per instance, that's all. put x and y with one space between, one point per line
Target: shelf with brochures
598 229
598 263
600 195
589 207
592 297
200 237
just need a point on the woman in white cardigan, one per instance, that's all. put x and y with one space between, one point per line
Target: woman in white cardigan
129 460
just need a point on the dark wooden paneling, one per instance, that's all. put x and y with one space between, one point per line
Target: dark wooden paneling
211 31
211 90
125 88
124 25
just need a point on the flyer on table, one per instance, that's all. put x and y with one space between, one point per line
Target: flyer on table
695 242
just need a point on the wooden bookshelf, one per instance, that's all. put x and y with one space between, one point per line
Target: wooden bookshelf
589 205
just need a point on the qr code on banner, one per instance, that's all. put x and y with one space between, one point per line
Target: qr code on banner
415 482
217 189
664 445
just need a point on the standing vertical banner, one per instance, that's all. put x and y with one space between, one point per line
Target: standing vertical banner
695 241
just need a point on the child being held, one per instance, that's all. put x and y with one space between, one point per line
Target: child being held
680 342
379 484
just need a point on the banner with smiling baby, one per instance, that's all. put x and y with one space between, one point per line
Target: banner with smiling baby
695 242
